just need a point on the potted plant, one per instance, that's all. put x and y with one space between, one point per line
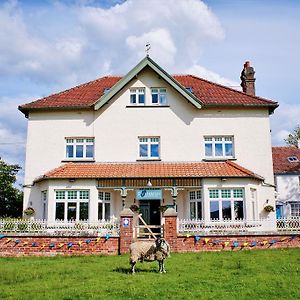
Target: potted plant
269 208
29 211
135 208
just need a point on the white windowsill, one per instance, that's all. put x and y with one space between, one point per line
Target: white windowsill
152 106
78 160
218 159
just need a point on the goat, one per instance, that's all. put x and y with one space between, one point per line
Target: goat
149 251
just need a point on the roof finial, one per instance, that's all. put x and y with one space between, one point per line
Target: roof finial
147 48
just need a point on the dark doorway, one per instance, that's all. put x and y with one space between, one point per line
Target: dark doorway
150 211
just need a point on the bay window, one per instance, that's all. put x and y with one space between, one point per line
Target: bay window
226 204
72 205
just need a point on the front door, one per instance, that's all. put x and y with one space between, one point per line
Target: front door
150 211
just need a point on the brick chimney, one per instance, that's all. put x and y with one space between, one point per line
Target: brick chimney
248 80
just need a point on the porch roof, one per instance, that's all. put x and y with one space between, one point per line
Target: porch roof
150 170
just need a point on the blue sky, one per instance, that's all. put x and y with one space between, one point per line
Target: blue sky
48 46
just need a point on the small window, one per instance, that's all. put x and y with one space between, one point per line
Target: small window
293 159
195 204
189 89
80 148
159 96
219 147
149 148
104 200
137 96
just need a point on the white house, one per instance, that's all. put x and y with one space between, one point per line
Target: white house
152 140
286 163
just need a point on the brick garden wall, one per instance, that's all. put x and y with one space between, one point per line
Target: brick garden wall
51 246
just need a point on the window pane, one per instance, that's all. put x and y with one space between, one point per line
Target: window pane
72 194
79 150
84 211
218 150
84 195
238 193
192 210
101 195
199 208
225 193
213 194
154 151
60 211
208 149
214 210
133 98
228 150
226 209
100 211
107 211
70 151
155 98
143 150
163 99
192 195
60 194
71 211
239 209
90 151
141 98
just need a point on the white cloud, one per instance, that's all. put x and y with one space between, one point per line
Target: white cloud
211 76
286 117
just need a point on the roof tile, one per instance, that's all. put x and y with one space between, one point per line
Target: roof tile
281 164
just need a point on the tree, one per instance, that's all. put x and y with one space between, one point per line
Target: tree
293 137
10 197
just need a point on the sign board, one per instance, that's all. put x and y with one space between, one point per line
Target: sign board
149 194
125 222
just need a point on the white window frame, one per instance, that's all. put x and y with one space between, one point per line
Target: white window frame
231 199
160 92
148 141
104 198
295 209
195 196
79 141
72 196
137 92
223 140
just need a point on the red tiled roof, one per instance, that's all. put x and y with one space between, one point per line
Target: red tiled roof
281 164
208 93
149 170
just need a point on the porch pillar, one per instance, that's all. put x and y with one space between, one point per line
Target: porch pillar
170 233
126 229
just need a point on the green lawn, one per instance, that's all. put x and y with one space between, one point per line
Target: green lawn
264 274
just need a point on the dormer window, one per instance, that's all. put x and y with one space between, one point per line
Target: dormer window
137 96
293 159
159 96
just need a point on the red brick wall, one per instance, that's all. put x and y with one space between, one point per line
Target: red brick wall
126 234
81 246
171 232
218 243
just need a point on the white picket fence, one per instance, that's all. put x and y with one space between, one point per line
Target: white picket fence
187 226
60 228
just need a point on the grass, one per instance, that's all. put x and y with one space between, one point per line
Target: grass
264 274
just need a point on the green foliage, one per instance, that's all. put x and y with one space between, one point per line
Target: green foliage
10 197
294 137
263 274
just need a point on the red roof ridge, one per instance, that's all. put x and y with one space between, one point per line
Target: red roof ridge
229 88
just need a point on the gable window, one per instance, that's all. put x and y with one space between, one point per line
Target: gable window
195 204
149 147
72 205
137 96
226 204
218 146
159 96
104 199
79 148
